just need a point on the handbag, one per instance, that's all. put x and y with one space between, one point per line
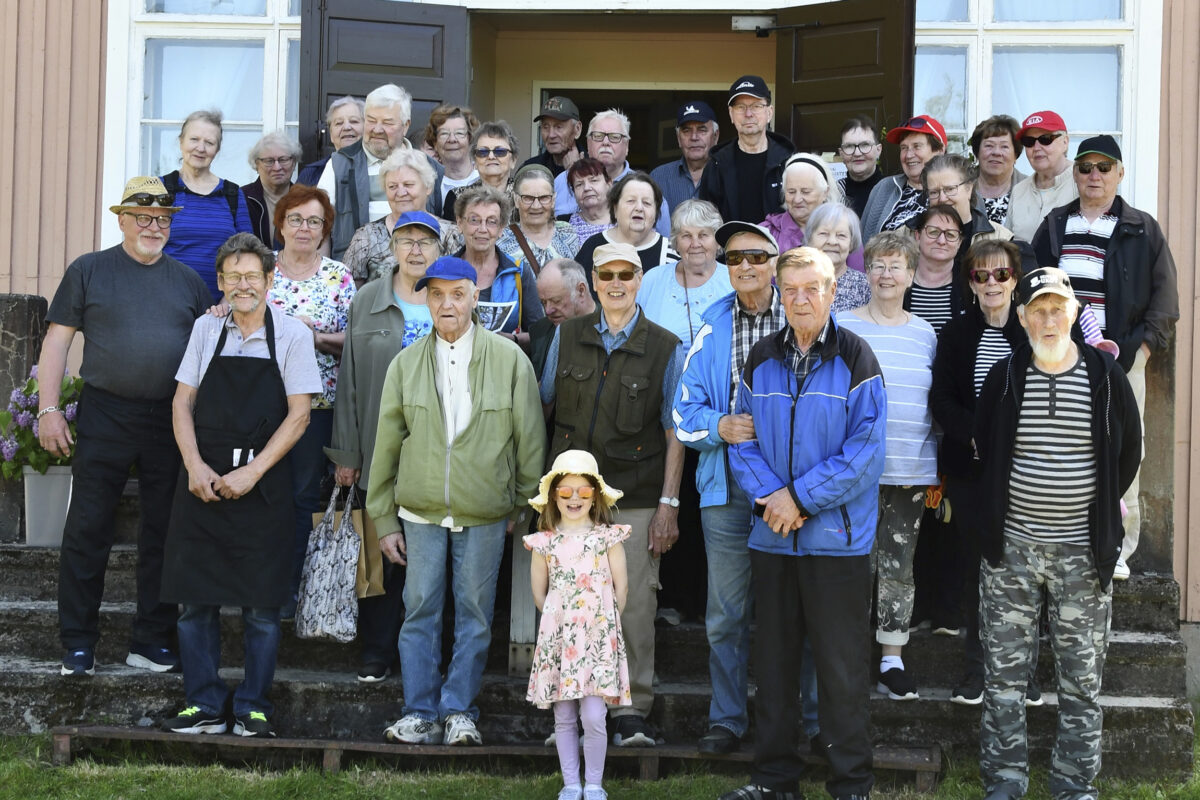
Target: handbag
328 602
369 579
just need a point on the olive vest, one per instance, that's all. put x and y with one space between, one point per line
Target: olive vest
610 404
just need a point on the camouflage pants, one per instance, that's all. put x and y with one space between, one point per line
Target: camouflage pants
900 510
1080 613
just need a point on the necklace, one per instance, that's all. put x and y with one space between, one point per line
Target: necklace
884 324
304 272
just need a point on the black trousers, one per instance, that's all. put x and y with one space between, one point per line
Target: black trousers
828 599
115 434
379 618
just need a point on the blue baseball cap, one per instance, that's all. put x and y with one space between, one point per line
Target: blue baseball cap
447 268
421 218
694 111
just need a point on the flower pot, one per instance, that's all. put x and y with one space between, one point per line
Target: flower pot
46 500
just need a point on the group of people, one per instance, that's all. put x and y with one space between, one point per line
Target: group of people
468 340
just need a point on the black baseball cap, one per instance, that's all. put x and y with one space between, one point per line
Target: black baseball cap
752 85
694 111
1103 145
558 108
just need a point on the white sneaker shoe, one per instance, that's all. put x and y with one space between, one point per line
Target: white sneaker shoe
460 729
414 730
594 793
571 793
1121 570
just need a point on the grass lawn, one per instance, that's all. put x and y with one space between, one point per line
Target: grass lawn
25 774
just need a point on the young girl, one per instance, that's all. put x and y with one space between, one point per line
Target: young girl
579 585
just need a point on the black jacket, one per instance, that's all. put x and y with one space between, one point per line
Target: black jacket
1141 299
1116 435
256 208
719 183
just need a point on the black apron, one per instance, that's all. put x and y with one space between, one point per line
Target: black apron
234 552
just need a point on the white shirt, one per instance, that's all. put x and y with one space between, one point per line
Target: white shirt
1030 205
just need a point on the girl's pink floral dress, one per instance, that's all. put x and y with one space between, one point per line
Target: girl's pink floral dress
580 650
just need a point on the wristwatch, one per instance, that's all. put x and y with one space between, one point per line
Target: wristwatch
673 502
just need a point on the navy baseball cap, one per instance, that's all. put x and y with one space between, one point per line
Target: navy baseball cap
421 218
752 85
694 111
448 268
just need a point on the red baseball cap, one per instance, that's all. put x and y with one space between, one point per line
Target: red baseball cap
920 124
1046 120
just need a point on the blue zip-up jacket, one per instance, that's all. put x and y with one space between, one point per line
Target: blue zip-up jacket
823 440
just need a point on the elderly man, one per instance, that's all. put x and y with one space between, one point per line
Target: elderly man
1044 136
129 358
245 386
744 176
344 122
453 401
1059 441
860 149
610 379
563 289
608 143
1120 264
559 126
696 132
814 394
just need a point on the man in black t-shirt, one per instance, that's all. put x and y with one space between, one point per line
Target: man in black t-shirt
135 307
860 149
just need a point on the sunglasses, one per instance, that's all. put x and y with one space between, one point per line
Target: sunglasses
1001 274
1086 167
608 275
495 152
1044 140
916 122
147 199
567 492
756 257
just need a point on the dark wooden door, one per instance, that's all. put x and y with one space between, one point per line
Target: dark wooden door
844 58
352 46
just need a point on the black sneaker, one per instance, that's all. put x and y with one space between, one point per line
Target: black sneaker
969 692
753 791
896 684
719 741
155 659
193 720
78 663
373 672
1033 695
253 724
630 730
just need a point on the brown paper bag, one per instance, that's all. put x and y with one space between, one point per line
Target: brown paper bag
370 558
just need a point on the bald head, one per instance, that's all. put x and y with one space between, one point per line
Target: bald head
563 290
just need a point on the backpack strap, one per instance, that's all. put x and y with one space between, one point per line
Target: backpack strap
230 189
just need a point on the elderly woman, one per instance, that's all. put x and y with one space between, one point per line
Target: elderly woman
588 180
211 209
934 294
997 147
274 156
407 180
317 291
388 315
508 298
904 344
450 130
807 184
494 148
967 349
898 198
950 179
833 229
537 237
634 203
344 120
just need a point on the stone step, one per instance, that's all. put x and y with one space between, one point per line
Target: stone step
1149 737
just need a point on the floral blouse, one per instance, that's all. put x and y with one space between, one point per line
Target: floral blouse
369 254
564 243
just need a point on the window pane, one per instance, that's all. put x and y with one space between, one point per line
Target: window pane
183 75
160 152
1057 11
941 10
291 112
1082 84
241 8
293 8
939 88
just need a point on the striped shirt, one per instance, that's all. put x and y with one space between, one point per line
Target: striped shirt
931 305
991 348
1053 478
905 355
1083 248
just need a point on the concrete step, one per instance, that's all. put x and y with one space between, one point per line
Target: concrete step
1143 736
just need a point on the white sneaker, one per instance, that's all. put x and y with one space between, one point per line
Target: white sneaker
594 793
571 793
460 729
1121 570
414 730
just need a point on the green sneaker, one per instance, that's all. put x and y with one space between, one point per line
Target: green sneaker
194 720
253 724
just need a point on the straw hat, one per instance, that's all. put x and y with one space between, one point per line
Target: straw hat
144 184
573 462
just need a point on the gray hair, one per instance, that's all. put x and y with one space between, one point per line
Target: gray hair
348 100
572 271
212 116
497 130
274 139
409 157
694 214
832 214
533 172
611 113
807 162
388 96
482 194
245 244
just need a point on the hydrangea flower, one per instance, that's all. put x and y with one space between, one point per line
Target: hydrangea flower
8 448
71 411
24 419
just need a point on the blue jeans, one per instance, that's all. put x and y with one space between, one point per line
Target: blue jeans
474 554
200 654
309 465
727 619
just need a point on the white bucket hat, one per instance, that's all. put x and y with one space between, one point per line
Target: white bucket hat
573 462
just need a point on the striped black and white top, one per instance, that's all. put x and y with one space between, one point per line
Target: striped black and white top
1053 478
931 305
991 348
1083 248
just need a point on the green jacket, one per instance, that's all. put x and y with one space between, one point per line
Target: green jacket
490 470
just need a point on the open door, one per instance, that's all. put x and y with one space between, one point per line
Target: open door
843 58
352 46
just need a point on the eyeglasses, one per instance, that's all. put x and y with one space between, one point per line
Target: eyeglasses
1086 167
755 257
409 244
946 191
600 136
879 269
608 275
282 161
235 278
746 108
530 199
479 222
447 135
1001 274
495 152
147 199
143 220
861 147
567 492
933 233
1044 140
295 221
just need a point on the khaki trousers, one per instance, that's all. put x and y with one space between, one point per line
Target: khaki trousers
641 606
